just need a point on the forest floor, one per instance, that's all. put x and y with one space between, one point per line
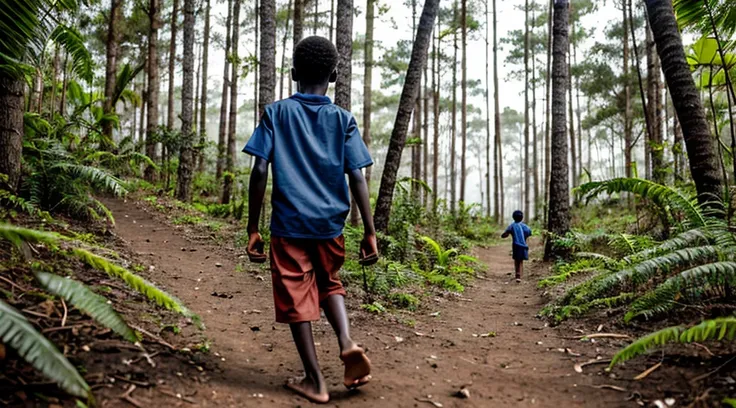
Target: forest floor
523 362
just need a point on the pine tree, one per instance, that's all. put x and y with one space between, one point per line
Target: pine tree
154 12
498 154
267 54
203 91
368 81
464 108
111 67
453 133
228 180
186 155
526 170
222 132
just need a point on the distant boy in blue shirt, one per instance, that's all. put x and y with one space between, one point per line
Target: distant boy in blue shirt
311 144
519 248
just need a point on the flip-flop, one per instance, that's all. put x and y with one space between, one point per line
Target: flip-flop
294 387
368 260
257 258
356 361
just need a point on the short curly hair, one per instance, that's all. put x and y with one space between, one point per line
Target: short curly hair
518 216
315 59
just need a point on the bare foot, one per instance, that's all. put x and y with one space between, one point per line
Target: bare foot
309 389
357 367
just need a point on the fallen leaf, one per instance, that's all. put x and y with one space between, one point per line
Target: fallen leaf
579 367
610 387
435 403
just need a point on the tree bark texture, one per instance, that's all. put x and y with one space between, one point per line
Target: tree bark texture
436 80
232 122
111 65
186 153
700 145
203 92
154 12
453 133
170 116
368 82
267 55
526 170
222 131
559 188
11 127
464 108
406 104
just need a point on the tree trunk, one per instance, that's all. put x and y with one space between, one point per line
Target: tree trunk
525 149
195 118
154 12
11 128
464 108
222 132
203 92
229 178
298 21
55 81
628 114
344 39
573 150
368 82
579 123
534 168
401 125
488 117
111 65
144 102
436 82
425 132
186 152
332 20
453 133
172 66
284 70
256 77
654 95
548 111
65 84
267 54
698 140
499 197
559 188
316 17
417 123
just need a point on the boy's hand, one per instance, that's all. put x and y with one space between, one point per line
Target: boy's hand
255 249
368 250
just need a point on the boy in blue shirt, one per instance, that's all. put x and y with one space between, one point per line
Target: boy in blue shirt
519 248
311 144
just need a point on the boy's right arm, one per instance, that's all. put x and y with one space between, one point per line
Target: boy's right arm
256 193
359 188
506 233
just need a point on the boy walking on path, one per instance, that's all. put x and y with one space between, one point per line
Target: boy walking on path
519 248
311 144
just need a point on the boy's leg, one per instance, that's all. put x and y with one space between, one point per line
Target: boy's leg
296 301
518 267
330 256
313 386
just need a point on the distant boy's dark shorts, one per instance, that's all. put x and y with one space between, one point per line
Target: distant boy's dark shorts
520 253
304 274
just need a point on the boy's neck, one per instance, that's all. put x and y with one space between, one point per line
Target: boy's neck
312 89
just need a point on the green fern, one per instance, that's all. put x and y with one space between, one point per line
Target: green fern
693 283
19 235
686 239
723 328
443 257
135 282
87 301
17 333
73 42
668 199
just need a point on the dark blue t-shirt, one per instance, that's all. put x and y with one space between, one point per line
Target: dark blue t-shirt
519 232
311 143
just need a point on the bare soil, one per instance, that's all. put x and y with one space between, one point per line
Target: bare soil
521 363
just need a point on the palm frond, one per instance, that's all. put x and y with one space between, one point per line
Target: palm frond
72 41
87 301
124 78
17 333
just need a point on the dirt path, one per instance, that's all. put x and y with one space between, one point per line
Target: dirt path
520 366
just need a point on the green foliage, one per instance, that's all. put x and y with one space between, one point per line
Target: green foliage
19 235
71 40
709 330
87 301
135 282
374 307
404 300
16 332
441 257
188 220
563 271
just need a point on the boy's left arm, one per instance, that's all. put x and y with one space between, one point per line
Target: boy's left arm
506 233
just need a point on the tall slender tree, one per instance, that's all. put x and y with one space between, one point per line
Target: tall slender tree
186 155
498 154
256 68
488 114
406 104
111 65
203 92
464 89
170 115
228 181
548 108
453 135
535 142
559 188
436 83
298 21
655 148
701 149
628 111
526 172
267 58
571 118
154 12
344 39
368 81
222 131
284 70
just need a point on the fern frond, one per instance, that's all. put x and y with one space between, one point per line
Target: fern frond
87 301
723 328
694 283
135 282
646 343
73 42
93 176
19 235
686 239
17 333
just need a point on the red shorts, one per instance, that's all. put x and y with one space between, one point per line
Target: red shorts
304 273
